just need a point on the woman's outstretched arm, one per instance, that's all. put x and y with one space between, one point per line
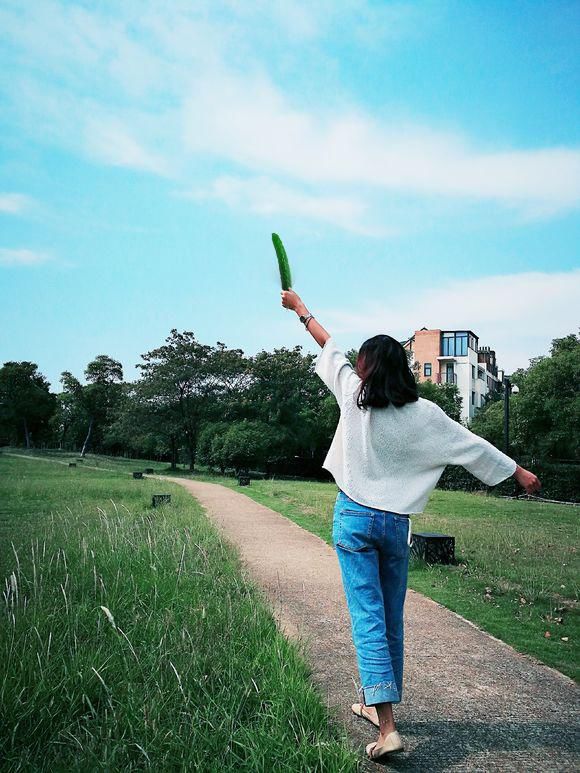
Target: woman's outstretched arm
480 457
331 365
292 301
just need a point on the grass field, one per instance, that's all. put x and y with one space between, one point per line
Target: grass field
518 569
130 639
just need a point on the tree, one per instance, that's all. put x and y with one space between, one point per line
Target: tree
251 443
545 414
446 396
26 403
228 377
285 392
210 444
569 343
180 379
144 425
63 418
488 422
93 404
549 402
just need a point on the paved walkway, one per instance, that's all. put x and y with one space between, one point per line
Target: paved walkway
470 701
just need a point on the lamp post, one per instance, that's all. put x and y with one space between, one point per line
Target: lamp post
508 388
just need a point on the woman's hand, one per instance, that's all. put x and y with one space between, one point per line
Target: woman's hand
527 480
291 300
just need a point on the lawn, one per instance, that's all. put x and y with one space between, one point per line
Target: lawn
518 569
131 639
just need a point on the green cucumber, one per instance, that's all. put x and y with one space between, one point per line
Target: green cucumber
283 264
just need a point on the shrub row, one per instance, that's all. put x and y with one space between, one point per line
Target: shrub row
559 481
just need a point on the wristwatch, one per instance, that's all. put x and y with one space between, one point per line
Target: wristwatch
304 319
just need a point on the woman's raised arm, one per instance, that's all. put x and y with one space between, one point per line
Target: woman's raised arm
292 301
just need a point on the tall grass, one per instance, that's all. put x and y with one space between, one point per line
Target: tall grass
130 638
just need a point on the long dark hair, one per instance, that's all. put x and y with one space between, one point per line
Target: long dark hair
386 377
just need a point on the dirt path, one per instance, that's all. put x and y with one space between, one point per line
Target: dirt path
59 461
470 701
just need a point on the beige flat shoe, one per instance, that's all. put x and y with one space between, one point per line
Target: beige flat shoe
357 709
393 743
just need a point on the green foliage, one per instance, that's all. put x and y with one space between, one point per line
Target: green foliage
238 444
26 405
141 426
548 404
545 414
177 377
186 387
86 411
446 396
569 343
488 421
186 384
559 480
104 371
285 392
252 443
210 444
283 264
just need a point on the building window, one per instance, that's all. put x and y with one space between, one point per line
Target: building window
448 345
473 398
461 344
473 372
455 344
483 400
481 374
427 369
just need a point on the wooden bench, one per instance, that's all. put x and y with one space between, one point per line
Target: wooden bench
138 475
160 499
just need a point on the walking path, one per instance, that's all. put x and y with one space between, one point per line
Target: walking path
470 702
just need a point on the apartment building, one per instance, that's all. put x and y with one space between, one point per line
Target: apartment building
454 356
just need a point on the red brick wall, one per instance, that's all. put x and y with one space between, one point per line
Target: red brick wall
426 349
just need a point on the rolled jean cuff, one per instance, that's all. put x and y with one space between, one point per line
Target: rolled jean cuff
383 692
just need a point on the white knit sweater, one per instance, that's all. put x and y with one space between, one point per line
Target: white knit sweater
391 458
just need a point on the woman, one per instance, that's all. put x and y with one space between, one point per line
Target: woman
388 452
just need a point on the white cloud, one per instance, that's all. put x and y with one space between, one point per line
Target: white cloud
111 141
22 257
164 90
249 121
264 196
370 23
14 203
518 315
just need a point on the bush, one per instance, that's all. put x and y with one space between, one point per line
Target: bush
559 481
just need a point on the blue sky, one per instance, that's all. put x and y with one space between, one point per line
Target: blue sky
421 162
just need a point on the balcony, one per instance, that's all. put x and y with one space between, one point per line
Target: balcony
446 378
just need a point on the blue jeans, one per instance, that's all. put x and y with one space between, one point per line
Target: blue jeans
373 552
